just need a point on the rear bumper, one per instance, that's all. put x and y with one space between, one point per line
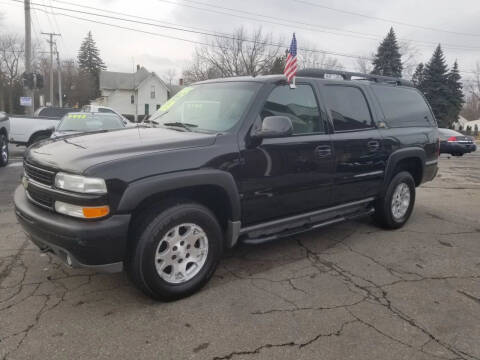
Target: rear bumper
430 171
100 245
449 148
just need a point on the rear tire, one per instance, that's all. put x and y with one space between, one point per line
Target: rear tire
393 210
166 263
4 155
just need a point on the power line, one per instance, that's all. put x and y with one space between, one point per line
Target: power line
205 32
288 23
190 31
389 21
183 39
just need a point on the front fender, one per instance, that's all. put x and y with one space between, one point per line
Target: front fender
140 190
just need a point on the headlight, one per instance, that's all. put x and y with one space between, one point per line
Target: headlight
84 212
80 184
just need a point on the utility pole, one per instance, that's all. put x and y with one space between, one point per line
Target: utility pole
59 69
51 63
28 54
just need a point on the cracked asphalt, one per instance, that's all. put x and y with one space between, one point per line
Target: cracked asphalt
349 291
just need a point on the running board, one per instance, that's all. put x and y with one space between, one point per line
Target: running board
262 233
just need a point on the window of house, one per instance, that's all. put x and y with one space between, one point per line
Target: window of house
299 104
152 92
403 107
132 99
158 106
348 108
147 109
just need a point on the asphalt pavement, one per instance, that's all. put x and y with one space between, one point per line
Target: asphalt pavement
348 291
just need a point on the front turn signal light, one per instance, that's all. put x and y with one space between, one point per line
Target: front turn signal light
83 212
95 212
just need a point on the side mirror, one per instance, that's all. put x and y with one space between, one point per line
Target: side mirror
274 127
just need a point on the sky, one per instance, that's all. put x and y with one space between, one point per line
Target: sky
423 24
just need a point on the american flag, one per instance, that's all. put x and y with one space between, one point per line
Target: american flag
291 64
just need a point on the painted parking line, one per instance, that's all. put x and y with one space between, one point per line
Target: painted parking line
13 164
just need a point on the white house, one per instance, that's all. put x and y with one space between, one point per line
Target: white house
132 94
461 122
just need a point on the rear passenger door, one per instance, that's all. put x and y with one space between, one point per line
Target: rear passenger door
357 144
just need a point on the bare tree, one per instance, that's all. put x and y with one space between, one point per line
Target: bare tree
241 54
364 65
410 55
11 64
316 59
471 108
169 75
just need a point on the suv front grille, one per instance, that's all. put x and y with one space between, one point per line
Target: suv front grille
40 175
40 197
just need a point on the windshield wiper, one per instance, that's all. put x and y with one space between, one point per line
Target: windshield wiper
185 126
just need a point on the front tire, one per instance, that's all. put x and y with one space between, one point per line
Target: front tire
177 251
4 155
393 210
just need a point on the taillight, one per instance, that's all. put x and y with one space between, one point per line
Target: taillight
452 139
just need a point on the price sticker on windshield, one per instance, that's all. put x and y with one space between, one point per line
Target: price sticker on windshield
174 99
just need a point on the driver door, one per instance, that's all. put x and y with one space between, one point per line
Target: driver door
289 175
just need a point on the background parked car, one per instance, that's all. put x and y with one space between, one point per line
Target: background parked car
106 110
4 130
81 122
454 143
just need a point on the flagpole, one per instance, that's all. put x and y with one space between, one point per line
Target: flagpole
292 85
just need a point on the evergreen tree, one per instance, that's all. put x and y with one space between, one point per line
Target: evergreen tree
418 76
90 63
278 65
435 86
456 94
387 60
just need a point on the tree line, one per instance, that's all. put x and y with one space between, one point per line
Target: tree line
252 54
245 53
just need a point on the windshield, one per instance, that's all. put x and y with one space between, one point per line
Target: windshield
213 107
82 122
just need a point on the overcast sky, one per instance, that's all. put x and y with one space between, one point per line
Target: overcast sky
334 31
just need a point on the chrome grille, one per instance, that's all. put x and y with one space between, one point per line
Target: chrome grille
40 175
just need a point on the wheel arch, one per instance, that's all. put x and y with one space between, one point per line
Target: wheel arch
410 159
36 133
214 189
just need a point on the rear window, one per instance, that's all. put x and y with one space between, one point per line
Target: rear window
403 107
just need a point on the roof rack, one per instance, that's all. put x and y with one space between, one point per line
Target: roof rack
347 75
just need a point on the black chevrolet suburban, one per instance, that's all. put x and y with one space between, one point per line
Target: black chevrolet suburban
230 160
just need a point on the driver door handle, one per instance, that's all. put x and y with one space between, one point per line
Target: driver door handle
373 145
323 151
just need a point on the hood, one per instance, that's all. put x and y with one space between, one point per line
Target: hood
78 152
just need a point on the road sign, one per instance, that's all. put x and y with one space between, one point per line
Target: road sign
25 101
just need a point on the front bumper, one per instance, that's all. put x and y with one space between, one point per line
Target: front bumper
100 245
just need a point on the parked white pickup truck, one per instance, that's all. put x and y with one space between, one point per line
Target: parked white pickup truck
25 130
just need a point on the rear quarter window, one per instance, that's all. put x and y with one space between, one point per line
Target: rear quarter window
403 107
